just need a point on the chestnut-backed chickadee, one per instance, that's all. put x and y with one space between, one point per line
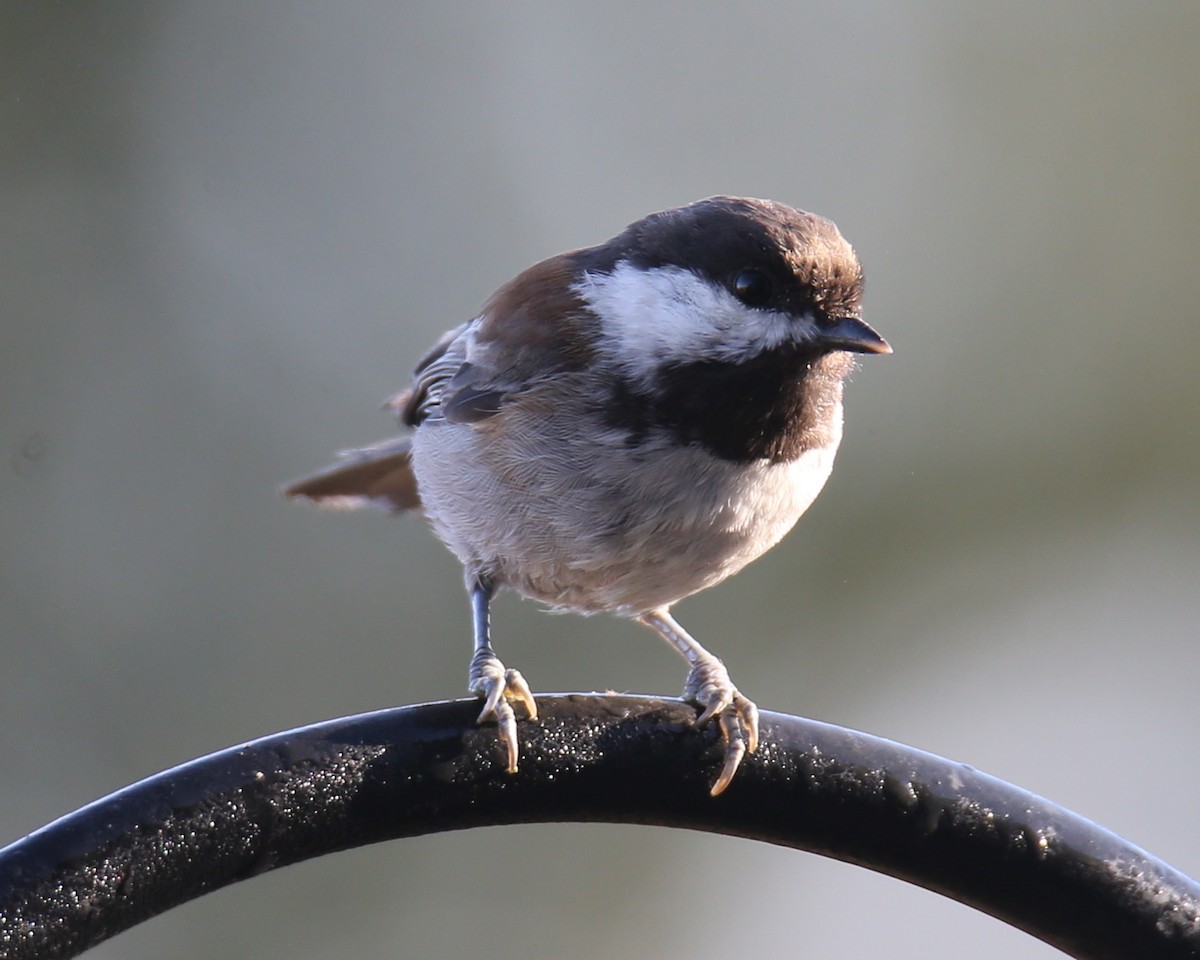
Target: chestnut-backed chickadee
627 424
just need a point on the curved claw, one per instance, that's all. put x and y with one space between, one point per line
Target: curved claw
708 685
735 749
500 688
739 730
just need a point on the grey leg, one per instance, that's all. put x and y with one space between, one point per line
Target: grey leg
488 677
708 685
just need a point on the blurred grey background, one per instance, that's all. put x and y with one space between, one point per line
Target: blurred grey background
227 231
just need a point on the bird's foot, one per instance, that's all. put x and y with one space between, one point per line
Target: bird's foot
708 685
500 689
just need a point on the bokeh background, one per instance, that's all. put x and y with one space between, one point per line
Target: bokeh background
228 230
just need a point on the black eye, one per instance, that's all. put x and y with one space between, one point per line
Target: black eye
752 287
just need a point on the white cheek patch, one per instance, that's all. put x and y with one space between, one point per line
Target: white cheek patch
668 315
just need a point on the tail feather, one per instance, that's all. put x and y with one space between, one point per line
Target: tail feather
380 475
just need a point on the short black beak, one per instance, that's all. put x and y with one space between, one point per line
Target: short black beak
850 333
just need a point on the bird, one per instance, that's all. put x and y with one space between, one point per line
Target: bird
624 425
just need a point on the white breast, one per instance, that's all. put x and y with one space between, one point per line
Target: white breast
566 512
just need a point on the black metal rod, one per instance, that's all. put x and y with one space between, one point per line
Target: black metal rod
429 768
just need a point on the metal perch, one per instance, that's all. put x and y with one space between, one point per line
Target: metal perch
428 768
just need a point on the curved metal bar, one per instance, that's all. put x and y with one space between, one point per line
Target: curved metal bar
425 769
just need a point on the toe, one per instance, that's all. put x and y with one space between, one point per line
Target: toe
715 705
507 723
710 688
500 688
739 731
747 711
517 690
735 749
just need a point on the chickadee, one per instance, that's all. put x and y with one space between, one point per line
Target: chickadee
625 425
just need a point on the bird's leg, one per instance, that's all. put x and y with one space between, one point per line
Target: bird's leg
488 677
709 686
